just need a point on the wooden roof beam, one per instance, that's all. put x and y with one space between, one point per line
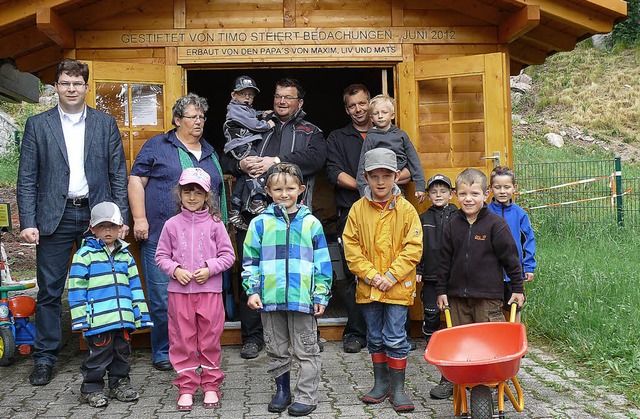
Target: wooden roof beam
518 24
526 53
49 23
549 38
26 9
22 42
40 59
571 14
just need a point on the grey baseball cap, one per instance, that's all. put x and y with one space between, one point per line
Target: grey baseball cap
106 211
441 179
380 158
245 82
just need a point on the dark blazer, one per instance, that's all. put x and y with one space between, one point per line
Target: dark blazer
43 174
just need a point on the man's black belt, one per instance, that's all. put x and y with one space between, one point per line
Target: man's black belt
78 202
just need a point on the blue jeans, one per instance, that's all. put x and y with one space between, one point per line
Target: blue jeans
156 283
53 255
385 329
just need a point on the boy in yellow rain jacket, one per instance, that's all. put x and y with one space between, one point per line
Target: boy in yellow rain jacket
383 244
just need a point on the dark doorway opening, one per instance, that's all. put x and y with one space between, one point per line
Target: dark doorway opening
322 103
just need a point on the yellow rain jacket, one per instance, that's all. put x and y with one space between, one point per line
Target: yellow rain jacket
387 241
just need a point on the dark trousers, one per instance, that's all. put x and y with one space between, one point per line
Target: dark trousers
431 321
108 352
53 255
356 327
250 322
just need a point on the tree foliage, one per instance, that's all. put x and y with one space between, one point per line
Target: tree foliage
627 33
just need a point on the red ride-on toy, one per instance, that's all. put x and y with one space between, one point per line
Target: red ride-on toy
16 331
479 357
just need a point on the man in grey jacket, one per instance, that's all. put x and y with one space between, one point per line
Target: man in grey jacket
292 140
71 159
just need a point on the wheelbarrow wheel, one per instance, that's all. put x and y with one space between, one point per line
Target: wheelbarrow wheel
7 346
481 403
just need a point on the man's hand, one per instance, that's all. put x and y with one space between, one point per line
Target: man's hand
265 164
182 275
254 302
201 275
442 302
318 310
418 278
30 235
140 228
251 165
420 196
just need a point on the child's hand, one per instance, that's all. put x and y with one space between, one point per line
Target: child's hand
182 275
318 310
518 298
254 302
201 275
420 196
418 278
442 301
528 276
271 123
382 283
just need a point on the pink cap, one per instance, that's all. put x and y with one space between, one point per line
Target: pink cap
196 175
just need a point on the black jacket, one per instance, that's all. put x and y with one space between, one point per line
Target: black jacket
343 155
473 257
433 220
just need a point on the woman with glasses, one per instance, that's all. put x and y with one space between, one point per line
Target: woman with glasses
155 172
242 128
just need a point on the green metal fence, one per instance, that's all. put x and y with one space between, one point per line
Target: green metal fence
584 191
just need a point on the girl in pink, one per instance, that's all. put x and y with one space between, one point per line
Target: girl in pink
194 249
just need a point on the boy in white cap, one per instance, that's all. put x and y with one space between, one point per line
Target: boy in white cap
101 308
243 126
383 244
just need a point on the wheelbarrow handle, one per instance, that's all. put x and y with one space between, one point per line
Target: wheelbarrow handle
512 314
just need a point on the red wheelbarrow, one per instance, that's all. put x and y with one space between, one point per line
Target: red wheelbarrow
480 356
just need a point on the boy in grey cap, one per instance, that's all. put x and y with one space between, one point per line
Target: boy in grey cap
383 244
243 127
100 308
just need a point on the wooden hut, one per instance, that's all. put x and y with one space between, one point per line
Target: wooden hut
447 62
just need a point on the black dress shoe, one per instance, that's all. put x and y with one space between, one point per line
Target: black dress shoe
41 374
300 409
163 365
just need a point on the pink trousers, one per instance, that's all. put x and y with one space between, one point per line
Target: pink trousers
196 322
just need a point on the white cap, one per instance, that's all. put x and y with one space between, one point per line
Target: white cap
106 211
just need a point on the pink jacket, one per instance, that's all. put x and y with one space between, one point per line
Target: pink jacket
193 240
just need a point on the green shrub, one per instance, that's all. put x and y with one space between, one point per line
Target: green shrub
627 33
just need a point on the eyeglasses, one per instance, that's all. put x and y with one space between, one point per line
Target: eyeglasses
193 118
287 98
66 85
247 95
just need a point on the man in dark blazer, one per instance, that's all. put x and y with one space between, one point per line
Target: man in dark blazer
71 159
